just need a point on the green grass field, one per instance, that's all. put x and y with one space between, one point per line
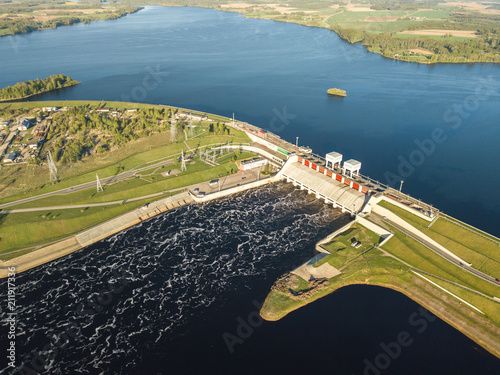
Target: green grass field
465 243
21 230
21 181
341 251
419 256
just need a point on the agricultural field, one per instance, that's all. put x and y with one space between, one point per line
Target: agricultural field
451 31
24 16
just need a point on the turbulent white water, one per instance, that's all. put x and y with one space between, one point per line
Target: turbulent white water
105 305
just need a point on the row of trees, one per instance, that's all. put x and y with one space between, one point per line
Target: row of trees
37 86
444 50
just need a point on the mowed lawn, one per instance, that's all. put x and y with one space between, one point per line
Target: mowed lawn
482 253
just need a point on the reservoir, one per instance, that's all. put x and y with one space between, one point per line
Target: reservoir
192 277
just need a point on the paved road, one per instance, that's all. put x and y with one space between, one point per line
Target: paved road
443 254
225 183
87 185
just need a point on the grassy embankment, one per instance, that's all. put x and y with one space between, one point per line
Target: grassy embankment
374 266
483 253
20 230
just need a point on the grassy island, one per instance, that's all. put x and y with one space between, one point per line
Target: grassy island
23 90
401 263
336 92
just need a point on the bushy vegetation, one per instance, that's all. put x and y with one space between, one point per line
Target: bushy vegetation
336 92
80 131
37 86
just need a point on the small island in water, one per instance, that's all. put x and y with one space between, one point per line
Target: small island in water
336 92
23 90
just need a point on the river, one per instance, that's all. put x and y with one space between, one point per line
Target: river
191 276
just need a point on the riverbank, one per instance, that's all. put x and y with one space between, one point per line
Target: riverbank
396 35
48 15
461 300
481 331
13 100
88 237
99 232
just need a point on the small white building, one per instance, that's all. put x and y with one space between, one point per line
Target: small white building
333 159
50 109
35 144
253 163
352 167
191 116
24 124
4 123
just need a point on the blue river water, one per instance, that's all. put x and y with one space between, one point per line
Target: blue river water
193 274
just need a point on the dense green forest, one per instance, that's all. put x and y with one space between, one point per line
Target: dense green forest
37 86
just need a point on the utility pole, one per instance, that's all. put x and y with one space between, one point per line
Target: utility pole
99 186
401 186
183 162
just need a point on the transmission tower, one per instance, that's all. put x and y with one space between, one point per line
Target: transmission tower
52 168
173 129
191 129
183 162
99 186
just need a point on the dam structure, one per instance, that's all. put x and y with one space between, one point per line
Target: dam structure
328 178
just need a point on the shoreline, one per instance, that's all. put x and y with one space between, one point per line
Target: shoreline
14 100
92 235
338 33
439 306
113 226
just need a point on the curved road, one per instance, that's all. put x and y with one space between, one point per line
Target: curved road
442 253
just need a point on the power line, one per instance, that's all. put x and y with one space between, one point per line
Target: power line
52 168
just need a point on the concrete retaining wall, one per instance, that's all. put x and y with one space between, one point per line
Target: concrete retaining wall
233 190
62 248
403 206
383 233
396 219
129 219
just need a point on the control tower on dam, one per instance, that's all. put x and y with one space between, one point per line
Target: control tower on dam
336 182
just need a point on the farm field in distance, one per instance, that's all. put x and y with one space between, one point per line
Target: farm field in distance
415 31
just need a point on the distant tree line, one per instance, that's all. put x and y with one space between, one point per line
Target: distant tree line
37 86
20 17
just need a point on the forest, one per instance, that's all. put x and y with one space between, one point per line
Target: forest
26 89
81 131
